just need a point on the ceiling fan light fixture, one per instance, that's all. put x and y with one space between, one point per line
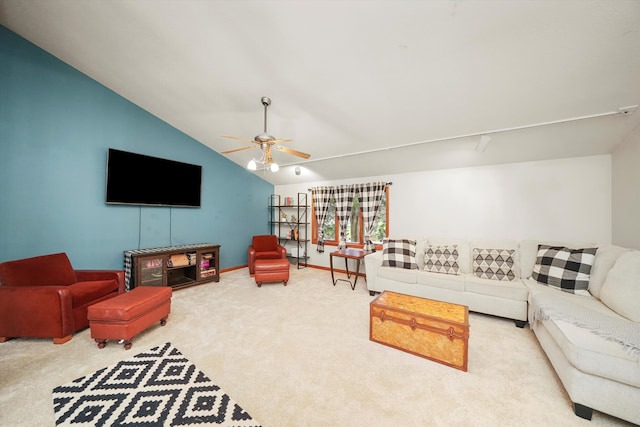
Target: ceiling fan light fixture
252 165
274 167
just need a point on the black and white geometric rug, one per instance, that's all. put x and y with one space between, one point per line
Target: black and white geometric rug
157 388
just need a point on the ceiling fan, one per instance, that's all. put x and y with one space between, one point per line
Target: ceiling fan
266 142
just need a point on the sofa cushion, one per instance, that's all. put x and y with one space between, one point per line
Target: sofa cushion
85 292
513 290
441 259
563 268
621 289
445 281
605 259
265 243
398 274
399 253
586 348
268 255
494 264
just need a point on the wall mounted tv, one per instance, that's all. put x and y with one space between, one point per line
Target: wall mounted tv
138 179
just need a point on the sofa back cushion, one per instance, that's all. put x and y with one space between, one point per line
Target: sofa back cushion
605 259
265 243
45 270
621 288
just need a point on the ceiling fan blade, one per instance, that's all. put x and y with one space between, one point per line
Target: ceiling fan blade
291 151
281 140
238 149
238 138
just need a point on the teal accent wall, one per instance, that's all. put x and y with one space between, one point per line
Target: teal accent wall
56 125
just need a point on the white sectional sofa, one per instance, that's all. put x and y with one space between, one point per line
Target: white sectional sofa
497 297
590 336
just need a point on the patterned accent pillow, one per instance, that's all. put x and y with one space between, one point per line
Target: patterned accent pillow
565 269
399 253
441 259
494 264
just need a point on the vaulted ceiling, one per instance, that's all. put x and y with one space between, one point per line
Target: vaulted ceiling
366 87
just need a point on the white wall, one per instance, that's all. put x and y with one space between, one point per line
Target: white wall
626 192
566 199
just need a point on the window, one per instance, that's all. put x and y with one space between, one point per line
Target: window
355 232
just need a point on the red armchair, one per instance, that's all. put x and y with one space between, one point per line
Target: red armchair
45 297
264 247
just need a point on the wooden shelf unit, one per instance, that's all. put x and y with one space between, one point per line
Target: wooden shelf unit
175 266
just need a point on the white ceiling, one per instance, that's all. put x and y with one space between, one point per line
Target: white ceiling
350 81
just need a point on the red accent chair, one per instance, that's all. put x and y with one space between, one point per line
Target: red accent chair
44 297
264 247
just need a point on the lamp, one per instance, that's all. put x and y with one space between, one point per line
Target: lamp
265 160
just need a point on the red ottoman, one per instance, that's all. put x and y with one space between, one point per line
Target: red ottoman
125 316
272 270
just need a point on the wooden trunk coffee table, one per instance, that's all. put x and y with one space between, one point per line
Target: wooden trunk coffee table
435 330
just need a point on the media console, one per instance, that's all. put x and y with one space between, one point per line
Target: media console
175 266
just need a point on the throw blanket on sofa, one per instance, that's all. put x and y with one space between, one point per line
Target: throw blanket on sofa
624 332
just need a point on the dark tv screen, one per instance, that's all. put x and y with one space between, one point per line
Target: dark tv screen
138 179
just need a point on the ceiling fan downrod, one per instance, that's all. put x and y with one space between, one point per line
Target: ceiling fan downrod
265 137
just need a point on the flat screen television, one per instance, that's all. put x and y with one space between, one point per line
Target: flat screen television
138 179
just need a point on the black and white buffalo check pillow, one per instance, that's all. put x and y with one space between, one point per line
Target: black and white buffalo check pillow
399 253
441 259
494 264
566 269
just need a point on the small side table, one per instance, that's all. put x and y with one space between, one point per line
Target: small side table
347 254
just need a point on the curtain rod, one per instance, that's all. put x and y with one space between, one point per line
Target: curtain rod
623 111
388 183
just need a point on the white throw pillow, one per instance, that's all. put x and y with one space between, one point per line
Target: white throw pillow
494 264
621 289
441 259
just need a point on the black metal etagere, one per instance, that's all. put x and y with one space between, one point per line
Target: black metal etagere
289 220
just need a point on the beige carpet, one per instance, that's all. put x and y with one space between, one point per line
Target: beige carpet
300 356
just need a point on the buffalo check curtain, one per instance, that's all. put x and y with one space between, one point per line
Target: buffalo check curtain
343 195
370 196
321 197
